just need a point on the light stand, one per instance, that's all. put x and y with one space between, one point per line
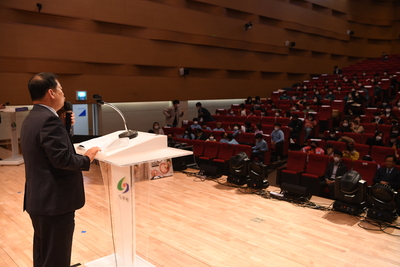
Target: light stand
128 133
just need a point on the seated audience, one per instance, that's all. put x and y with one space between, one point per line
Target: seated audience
231 112
277 139
307 108
188 134
377 118
218 127
330 96
313 149
228 138
295 126
355 127
284 96
205 127
309 124
259 149
157 129
388 175
351 153
393 142
242 110
332 136
247 128
195 125
333 170
377 140
200 135
258 128
249 101
211 138
345 128
329 149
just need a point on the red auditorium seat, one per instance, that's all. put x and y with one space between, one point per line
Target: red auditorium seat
369 127
178 132
254 119
366 169
283 120
338 145
210 152
357 137
247 139
379 153
385 129
362 149
315 170
347 162
268 120
221 111
226 151
325 114
198 147
366 136
243 148
267 154
295 166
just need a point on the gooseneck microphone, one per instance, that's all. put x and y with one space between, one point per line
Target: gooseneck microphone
128 133
68 113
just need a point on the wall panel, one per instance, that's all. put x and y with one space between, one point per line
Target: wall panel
131 50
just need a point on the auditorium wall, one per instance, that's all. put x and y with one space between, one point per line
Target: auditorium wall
132 50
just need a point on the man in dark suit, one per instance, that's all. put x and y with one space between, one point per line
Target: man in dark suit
336 70
334 169
203 113
388 175
54 182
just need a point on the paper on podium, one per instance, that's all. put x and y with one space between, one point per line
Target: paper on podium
124 151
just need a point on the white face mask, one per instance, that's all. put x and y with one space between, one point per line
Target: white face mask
195 122
332 135
276 128
378 138
277 114
236 128
211 138
156 127
357 94
232 112
345 124
377 117
336 159
387 110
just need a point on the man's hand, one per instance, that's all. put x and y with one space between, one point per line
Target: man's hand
328 182
63 117
91 153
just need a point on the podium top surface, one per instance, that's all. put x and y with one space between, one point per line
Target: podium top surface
127 152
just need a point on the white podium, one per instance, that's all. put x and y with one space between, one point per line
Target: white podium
16 158
118 160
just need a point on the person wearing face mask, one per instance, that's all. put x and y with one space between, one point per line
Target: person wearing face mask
188 134
313 149
263 113
211 138
228 138
395 130
242 110
203 113
356 127
366 92
377 118
172 114
307 108
332 136
345 128
393 142
231 112
258 129
195 124
330 96
316 101
351 153
334 169
157 129
388 113
377 140
377 90
247 127
236 129
317 95
309 124
277 139
200 135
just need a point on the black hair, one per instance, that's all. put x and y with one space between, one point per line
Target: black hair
40 83
198 104
175 102
391 156
259 136
338 152
277 124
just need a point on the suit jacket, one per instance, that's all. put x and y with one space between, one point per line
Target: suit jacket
54 182
170 114
393 178
342 169
206 114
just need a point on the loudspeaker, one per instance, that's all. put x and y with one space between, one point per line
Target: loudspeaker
183 71
295 191
349 32
290 44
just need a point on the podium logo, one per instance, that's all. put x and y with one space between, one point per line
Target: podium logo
123 186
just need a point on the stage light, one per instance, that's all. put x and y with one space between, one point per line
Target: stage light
258 173
382 203
248 26
350 193
238 169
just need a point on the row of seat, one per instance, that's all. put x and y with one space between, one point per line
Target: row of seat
308 170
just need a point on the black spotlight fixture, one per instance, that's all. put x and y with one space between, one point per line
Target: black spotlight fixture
350 193
238 169
39 6
258 174
382 203
248 26
349 32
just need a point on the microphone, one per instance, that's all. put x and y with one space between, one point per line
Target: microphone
128 133
68 113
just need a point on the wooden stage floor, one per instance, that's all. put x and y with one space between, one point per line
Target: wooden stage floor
182 221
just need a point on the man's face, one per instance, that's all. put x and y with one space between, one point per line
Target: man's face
389 162
59 97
